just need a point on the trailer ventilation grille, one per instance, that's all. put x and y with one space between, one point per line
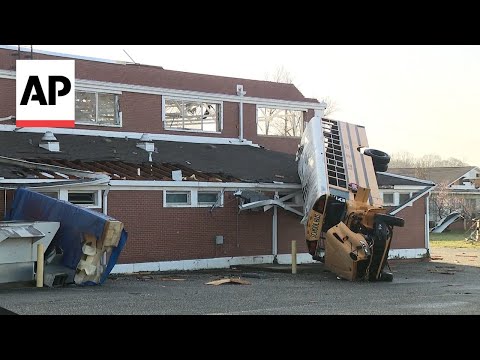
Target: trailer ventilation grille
334 154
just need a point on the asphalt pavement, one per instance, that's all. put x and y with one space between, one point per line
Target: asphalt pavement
448 285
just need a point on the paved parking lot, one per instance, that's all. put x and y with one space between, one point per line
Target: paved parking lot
450 285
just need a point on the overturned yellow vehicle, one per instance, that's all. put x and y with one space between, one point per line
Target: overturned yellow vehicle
346 226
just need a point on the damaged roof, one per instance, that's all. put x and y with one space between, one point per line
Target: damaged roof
120 158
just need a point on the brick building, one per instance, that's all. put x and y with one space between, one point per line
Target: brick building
183 152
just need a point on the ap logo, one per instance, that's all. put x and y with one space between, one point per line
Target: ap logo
45 93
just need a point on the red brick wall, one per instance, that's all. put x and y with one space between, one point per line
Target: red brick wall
143 113
289 228
156 233
412 235
7 98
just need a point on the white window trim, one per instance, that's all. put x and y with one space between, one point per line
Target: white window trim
280 108
396 197
192 99
96 92
63 195
217 204
193 194
189 196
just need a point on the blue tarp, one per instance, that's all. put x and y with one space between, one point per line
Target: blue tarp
74 222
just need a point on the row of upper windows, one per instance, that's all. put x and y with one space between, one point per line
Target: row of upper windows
96 108
395 198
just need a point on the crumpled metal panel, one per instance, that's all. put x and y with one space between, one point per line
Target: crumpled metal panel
11 231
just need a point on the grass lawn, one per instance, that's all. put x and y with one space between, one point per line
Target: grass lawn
452 239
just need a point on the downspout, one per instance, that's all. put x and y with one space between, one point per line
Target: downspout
427 224
275 231
240 93
4 202
105 200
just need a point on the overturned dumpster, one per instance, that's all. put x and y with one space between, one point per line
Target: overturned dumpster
87 242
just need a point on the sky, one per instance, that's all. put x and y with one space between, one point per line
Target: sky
419 99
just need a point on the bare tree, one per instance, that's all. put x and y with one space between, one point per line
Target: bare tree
443 202
280 75
402 159
332 106
408 160
440 201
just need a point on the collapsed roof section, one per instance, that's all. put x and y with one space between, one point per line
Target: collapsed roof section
36 174
122 159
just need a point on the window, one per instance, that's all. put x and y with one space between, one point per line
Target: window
192 115
193 198
177 198
52 194
279 122
208 198
403 198
83 198
388 199
96 108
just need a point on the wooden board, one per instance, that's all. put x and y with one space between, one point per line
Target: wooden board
111 233
236 281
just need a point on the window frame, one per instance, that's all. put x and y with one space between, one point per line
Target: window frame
189 198
97 196
392 203
409 194
199 100
118 112
302 111
218 203
193 197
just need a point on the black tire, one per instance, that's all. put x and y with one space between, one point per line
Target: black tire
378 157
386 276
390 220
380 167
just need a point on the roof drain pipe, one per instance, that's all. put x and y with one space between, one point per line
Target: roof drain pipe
240 93
275 231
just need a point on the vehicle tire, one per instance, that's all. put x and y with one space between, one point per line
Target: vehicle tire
390 220
380 167
385 276
378 157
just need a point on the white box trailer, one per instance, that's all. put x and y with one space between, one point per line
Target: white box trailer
18 247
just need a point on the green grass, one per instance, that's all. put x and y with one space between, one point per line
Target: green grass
452 239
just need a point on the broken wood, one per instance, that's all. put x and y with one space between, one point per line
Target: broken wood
111 233
237 281
436 257
462 255
172 279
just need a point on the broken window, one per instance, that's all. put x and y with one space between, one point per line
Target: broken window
208 198
192 115
279 122
96 108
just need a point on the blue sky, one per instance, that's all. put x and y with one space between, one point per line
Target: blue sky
420 99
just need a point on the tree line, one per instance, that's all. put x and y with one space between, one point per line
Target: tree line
408 160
